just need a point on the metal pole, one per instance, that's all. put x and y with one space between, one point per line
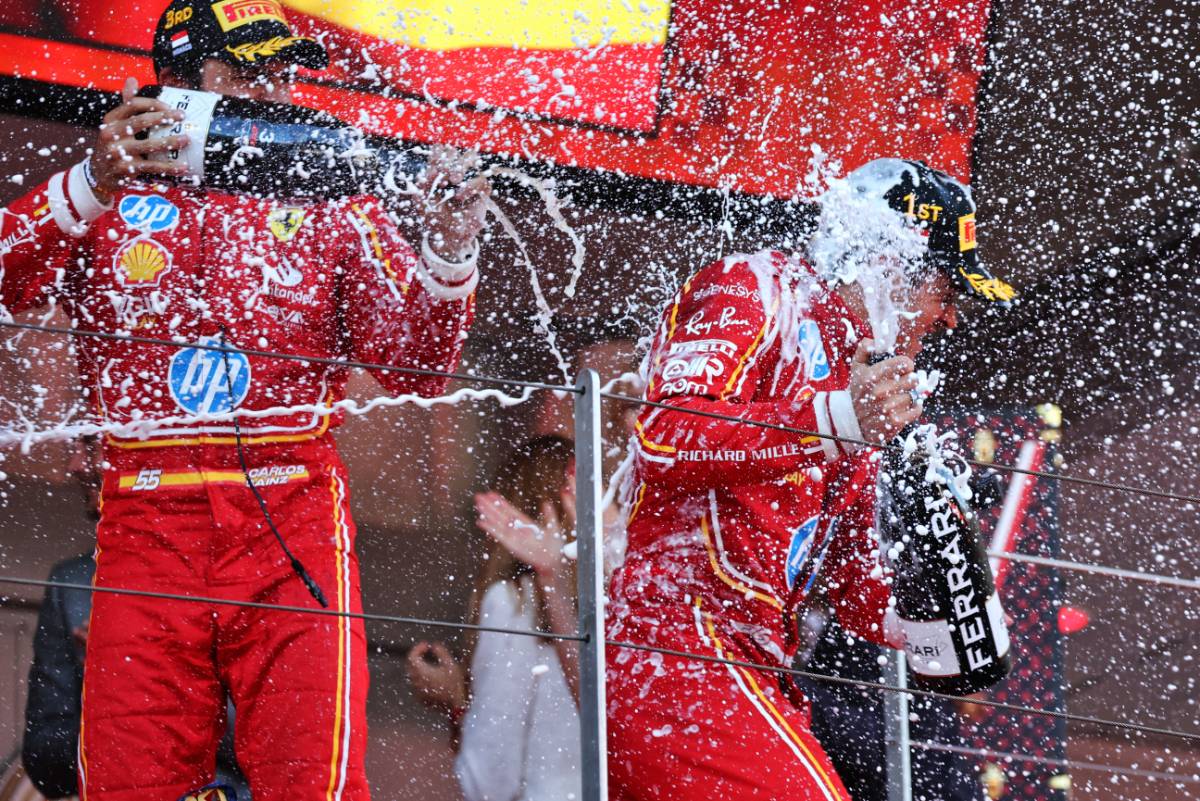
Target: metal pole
895 709
588 532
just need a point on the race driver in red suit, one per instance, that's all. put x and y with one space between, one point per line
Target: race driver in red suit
732 526
121 251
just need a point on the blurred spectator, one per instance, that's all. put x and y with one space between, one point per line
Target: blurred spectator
849 721
514 715
52 711
14 784
56 680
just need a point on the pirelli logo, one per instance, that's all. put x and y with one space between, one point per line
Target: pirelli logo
966 233
236 13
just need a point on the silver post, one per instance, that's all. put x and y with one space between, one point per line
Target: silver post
589 529
895 709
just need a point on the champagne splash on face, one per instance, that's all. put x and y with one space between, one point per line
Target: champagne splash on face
860 239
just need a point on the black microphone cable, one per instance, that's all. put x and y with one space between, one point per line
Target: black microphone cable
314 589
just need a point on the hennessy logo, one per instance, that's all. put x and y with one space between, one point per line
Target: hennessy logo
235 13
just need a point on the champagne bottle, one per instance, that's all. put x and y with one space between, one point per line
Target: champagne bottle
954 630
280 150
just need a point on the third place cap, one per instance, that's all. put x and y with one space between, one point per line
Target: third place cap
240 32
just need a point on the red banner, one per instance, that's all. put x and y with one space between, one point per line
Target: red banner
728 94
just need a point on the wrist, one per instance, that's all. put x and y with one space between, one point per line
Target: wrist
549 575
834 419
72 202
448 280
89 176
844 418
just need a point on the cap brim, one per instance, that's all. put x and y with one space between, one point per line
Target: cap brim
976 281
299 50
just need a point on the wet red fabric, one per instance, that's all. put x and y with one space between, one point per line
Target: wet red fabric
732 527
325 280
157 672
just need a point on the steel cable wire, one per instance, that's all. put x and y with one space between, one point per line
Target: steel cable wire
1070 764
1004 755
872 685
1099 570
373 616
295 357
879 686
1124 725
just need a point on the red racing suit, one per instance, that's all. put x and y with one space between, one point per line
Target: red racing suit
322 280
731 528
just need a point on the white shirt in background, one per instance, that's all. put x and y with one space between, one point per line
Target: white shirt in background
520 736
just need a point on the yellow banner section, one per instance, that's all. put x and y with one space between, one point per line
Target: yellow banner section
457 24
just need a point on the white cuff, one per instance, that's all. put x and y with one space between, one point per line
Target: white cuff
845 421
444 279
85 200
69 194
60 207
820 404
449 272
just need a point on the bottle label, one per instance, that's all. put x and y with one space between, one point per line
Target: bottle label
198 108
930 643
930 647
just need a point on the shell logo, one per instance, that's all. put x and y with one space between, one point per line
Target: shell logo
141 262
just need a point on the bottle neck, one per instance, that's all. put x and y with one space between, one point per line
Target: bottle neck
400 166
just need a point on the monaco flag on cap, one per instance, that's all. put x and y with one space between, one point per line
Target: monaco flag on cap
180 43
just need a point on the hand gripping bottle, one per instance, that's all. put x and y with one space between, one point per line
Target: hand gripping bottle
954 631
279 150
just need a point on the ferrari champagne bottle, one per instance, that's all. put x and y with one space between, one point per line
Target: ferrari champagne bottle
280 150
954 630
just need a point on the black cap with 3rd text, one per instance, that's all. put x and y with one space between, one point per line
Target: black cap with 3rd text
241 32
942 208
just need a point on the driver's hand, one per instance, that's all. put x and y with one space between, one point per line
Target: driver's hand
119 157
882 394
455 207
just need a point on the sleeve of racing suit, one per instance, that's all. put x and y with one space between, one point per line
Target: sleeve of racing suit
403 308
491 760
39 234
854 580
707 358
